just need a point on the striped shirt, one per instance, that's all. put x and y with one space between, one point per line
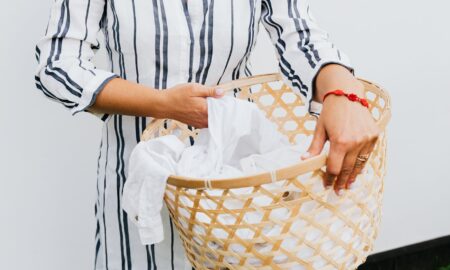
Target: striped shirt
160 44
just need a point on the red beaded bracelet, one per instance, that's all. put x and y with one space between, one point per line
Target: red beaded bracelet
351 97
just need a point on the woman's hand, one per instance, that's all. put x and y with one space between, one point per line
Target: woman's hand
348 126
187 103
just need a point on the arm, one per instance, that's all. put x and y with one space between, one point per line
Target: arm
312 65
302 47
184 102
66 74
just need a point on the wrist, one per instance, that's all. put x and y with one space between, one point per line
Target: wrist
334 76
354 86
349 96
159 105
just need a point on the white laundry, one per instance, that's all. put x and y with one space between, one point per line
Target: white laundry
236 130
239 140
150 165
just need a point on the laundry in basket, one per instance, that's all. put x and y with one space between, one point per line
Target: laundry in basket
283 218
239 141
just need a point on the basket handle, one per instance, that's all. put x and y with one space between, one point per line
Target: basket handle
301 167
263 78
151 128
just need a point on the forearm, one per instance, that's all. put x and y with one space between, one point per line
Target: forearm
120 96
332 77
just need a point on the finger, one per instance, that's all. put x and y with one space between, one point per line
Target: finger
334 163
359 166
204 91
205 114
317 143
347 168
200 124
199 116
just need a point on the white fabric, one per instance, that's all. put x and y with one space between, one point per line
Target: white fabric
150 164
160 44
239 140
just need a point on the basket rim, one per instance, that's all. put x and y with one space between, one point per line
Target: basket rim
287 172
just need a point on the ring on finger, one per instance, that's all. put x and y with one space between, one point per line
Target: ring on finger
362 158
359 165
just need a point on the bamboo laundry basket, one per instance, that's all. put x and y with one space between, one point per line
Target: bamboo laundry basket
283 219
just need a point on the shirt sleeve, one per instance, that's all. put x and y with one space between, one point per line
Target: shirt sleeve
302 47
65 72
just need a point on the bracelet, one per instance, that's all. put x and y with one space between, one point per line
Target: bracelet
351 97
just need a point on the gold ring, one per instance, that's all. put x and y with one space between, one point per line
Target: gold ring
362 158
359 164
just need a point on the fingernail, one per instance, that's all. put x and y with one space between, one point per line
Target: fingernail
328 181
351 180
349 183
306 155
219 91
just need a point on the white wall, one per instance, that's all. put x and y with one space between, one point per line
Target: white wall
48 157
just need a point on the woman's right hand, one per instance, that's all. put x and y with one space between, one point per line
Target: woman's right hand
187 103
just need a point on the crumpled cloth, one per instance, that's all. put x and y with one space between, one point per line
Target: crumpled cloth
239 141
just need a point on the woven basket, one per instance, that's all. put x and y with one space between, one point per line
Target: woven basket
284 219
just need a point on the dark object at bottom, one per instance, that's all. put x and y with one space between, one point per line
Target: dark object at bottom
429 255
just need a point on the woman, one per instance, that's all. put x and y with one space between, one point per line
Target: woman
182 46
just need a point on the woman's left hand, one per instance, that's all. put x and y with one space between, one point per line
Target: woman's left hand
351 130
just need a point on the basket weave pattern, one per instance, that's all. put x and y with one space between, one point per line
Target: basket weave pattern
293 223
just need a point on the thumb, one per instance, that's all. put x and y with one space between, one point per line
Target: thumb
317 143
211 92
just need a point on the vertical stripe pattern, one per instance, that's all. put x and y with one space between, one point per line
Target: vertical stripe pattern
161 44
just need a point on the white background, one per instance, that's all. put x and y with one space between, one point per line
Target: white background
48 158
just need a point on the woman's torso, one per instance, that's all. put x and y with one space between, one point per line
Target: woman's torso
160 44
